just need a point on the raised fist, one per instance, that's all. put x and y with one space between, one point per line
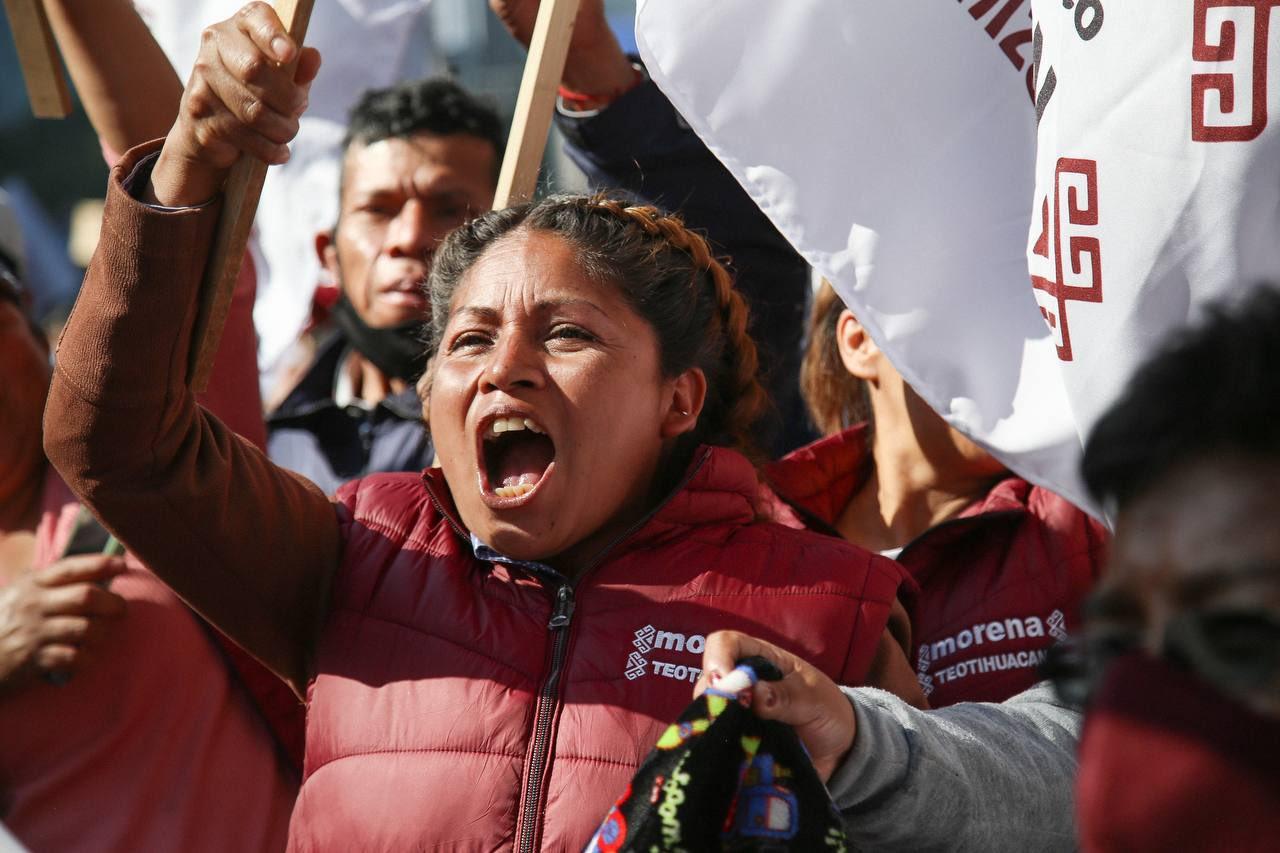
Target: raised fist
595 64
247 91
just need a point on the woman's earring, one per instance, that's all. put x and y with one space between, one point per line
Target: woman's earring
683 412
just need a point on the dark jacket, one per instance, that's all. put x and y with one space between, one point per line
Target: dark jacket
329 444
641 145
998 584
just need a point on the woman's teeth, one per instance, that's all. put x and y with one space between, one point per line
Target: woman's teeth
513 491
514 424
518 464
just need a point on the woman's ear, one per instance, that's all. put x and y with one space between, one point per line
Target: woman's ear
688 394
860 355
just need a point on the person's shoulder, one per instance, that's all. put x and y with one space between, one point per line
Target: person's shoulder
385 486
1041 506
810 560
821 478
1055 511
1067 535
391 501
812 544
406 406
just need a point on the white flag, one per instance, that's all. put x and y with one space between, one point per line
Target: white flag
894 145
1158 176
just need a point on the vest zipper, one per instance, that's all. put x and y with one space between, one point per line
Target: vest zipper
559 623
561 615
548 697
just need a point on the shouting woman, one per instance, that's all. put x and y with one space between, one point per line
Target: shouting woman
488 649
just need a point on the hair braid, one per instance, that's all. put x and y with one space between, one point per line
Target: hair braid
744 396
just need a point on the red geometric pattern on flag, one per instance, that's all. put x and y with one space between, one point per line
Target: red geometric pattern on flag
1074 284
1245 79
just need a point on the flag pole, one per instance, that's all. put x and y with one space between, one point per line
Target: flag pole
39 58
240 198
542 72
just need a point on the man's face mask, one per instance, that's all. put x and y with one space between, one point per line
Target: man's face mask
1168 763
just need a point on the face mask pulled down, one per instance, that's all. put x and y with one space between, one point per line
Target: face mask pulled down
398 351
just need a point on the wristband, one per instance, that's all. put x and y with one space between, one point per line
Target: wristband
582 102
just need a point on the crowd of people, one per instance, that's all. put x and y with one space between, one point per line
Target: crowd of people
555 469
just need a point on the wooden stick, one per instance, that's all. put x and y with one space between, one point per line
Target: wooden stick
39 58
239 204
537 99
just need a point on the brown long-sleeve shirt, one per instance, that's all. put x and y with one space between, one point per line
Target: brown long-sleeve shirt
249 545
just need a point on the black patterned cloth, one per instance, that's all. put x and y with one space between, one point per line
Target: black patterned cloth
721 778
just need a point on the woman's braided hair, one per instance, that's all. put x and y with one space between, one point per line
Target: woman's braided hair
666 272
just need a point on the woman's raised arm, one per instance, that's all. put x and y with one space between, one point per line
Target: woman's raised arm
250 546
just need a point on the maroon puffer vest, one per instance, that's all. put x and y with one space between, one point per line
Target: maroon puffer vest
998 584
467 705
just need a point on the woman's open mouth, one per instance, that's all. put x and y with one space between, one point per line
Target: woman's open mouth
516 456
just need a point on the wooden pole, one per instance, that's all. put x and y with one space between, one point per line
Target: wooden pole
239 204
39 58
537 99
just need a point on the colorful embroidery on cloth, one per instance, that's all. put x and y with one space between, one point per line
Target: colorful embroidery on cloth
720 778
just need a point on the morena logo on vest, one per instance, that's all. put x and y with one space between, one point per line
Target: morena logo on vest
931 663
649 639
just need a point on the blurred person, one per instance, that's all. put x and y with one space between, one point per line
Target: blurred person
129 723
126 726
489 648
1180 657
368 44
625 136
132 96
1179 661
419 159
25 366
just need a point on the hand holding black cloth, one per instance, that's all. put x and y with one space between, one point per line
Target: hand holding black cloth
720 778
